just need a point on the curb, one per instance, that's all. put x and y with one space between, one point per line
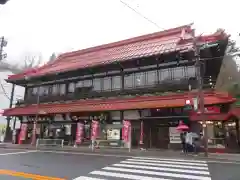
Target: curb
126 153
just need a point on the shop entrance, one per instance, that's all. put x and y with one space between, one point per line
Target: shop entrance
159 137
156 134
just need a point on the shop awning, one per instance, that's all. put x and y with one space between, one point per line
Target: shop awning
176 100
211 117
236 111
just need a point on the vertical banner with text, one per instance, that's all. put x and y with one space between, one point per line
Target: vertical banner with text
79 133
23 133
125 130
95 129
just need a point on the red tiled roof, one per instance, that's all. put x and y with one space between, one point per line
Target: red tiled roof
177 100
143 46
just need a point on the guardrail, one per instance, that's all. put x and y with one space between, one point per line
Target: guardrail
50 142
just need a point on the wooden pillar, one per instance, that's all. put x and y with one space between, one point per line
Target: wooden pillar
122 78
8 134
158 71
237 131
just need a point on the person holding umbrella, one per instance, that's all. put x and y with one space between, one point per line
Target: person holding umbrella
183 128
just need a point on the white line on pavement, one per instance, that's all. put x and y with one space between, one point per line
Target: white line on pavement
163 169
124 175
157 173
180 160
166 165
167 162
87 178
15 153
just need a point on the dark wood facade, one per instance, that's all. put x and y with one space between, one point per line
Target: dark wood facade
151 75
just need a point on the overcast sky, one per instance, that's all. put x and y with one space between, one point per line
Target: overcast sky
46 26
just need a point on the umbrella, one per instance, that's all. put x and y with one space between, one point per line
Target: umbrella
182 126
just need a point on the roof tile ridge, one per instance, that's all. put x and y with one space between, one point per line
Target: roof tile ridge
167 32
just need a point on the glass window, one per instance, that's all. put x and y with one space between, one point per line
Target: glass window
107 83
41 90
151 77
55 89
87 83
62 89
45 90
164 75
97 84
71 87
128 81
116 82
79 84
191 71
178 73
35 90
139 79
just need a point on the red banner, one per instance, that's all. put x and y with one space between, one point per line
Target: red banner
95 129
125 130
23 132
79 133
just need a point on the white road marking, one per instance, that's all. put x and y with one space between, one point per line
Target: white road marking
87 178
125 176
166 165
163 169
163 159
15 153
167 162
186 176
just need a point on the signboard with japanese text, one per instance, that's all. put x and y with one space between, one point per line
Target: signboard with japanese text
23 132
95 129
125 130
79 132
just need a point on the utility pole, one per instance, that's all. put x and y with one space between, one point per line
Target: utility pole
8 130
201 108
3 43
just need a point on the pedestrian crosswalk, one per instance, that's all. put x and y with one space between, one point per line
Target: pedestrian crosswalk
147 168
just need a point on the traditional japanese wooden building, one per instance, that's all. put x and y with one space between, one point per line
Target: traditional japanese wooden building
144 79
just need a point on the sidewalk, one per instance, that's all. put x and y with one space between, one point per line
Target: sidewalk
125 152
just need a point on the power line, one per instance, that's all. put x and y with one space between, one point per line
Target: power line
4 91
140 14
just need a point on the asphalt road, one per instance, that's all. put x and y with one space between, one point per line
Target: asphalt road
17 164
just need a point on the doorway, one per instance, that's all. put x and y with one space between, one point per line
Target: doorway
159 137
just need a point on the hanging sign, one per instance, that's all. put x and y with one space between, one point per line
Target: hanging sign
95 129
79 133
174 135
23 132
125 130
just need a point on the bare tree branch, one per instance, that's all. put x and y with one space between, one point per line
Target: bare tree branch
29 60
